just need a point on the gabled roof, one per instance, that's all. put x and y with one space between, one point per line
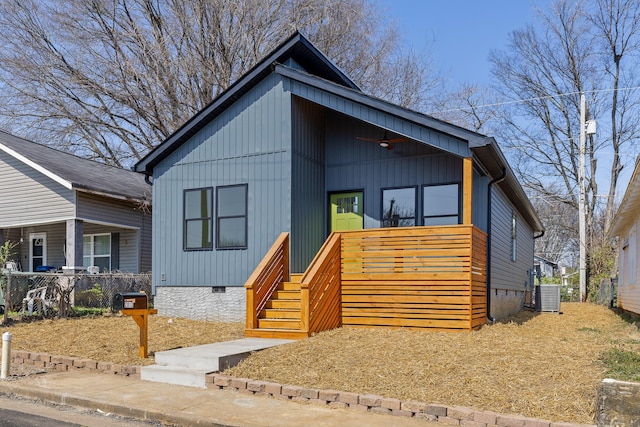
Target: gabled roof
321 74
485 149
75 172
629 209
296 48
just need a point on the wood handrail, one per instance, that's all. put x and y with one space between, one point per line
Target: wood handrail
320 287
270 272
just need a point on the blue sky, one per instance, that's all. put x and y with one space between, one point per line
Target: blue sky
461 33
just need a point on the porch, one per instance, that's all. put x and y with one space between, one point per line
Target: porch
417 277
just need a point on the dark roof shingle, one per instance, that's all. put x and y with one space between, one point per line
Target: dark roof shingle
83 174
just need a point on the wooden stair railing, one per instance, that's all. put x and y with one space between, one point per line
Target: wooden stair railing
320 289
297 306
265 279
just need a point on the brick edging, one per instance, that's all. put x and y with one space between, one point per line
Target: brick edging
451 415
66 363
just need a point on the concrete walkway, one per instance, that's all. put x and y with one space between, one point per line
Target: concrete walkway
188 406
189 365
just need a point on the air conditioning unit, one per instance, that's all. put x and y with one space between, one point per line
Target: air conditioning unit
548 298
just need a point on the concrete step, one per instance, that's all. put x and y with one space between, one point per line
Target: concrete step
185 366
177 375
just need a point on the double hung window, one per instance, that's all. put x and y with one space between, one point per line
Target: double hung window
441 204
198 219
399 207
96 250
231 217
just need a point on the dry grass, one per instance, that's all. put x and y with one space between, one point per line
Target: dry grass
544 366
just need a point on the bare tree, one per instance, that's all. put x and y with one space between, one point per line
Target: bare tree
544 71
471 106
109 79
559 243
617 26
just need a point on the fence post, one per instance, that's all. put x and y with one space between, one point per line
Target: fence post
6 355
7 299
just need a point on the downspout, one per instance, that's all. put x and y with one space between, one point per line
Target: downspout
147 180
495 181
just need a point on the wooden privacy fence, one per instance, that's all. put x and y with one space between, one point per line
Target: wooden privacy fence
418 277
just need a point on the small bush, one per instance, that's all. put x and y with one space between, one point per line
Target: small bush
91 298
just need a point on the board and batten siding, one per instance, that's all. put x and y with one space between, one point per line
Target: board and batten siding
30 197
354 164
249 143
355 110
628 281
505 273
308 195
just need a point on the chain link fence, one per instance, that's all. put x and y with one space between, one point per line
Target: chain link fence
54 294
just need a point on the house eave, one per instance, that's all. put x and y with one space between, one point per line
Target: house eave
491 157
80 188
65 183
630 205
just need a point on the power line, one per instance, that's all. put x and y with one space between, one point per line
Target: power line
518 101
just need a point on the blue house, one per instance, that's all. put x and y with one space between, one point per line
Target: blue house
295 153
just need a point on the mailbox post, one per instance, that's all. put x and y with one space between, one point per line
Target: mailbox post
135 305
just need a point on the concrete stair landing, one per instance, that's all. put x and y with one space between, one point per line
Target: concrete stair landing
189 365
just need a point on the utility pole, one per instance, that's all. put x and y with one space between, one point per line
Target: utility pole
586 128
582 201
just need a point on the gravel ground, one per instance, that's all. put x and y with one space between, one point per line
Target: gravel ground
538 365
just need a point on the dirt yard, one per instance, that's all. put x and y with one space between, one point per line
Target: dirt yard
545 366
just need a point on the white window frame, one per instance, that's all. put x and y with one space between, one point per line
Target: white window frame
92 256
32 237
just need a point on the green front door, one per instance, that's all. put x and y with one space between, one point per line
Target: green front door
346 211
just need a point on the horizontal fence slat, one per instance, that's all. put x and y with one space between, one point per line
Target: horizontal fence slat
400 322
417 277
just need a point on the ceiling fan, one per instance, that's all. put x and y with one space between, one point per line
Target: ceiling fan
384 142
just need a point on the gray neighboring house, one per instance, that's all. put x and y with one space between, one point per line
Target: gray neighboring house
68 213
293 146
543 267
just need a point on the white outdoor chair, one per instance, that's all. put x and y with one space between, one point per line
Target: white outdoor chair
36 297
9 267
93 269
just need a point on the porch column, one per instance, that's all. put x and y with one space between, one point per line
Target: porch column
467 190
74 246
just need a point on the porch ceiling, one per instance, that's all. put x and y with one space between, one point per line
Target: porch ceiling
401 121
